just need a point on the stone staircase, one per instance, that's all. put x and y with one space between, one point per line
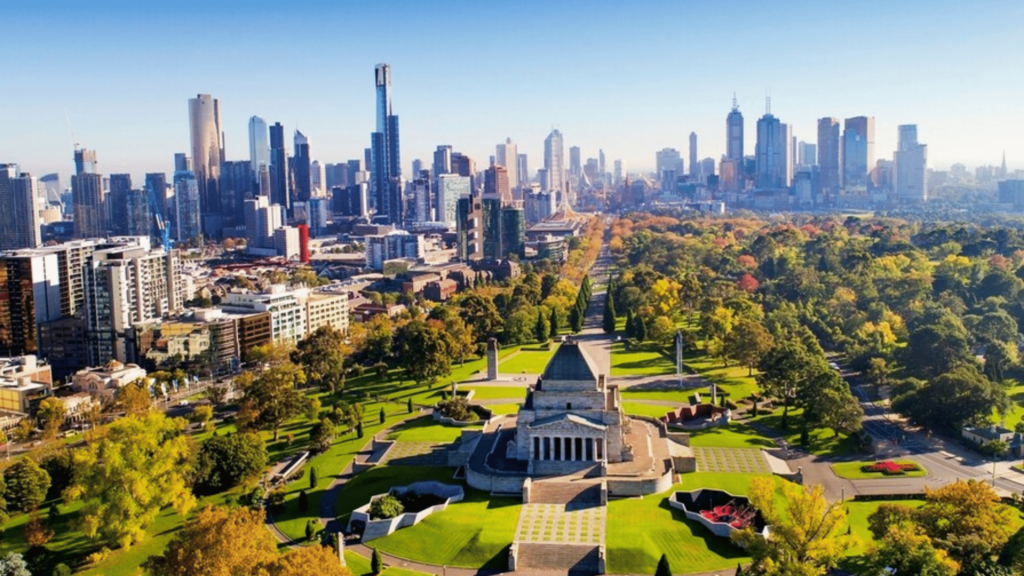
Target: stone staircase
555 492
573 558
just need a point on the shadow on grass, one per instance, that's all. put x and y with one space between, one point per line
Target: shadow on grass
721 546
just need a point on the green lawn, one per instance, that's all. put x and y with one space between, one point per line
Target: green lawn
424 429
652 410
1015 391
735 435
529 360
641 360
853 471
733 379
495 392
361 567
680 396
641 529
501 409
474 533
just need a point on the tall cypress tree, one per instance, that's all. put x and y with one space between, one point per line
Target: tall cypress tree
539 329
609 319
576 319
555 321
663 567
641 329
630 324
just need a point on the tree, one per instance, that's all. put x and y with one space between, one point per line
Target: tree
379 339
906 549
878 371
359 429
276 397
27 485
748 342
227 541
663 331
13 564
386 506
967 520
303 501
935 348
630 324
36 534
807 537
576 319
322 356
314 477
23 431
133 399
62 570
225 461
201 414
408 406
609 319
554 324
376 563
481 315
425 349
955 399
306 560
383 415
829 404
541 328
125 478
51 414
640 329
321 435
310 528
61 468
664 569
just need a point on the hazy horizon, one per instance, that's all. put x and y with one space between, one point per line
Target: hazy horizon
628 79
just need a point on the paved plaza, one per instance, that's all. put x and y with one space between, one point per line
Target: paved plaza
561 524
735 460
418 454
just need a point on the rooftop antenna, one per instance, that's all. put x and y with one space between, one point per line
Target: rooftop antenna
735 105
768 102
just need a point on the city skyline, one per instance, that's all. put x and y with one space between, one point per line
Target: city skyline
600 90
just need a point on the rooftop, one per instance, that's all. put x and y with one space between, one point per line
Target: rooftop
570 362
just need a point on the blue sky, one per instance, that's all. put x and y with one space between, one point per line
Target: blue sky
628 77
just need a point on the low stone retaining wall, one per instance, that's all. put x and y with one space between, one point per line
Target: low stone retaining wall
438 417
374 529
636 487
720 529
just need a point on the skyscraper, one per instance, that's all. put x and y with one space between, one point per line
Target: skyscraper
19 222
858 151
554 162
300 168
156 189
90 205
187 207
694 167
279 175
387 166
668 160
117 195
85 161
575 166
523 169
507 155
734 133
828 155
207 149
773 141
442 160
259 145
911 161
496 184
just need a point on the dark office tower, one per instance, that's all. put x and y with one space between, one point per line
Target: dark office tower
734 133
442 160
523 168
368 158
19 222
156 189
424 198
90 204
301 168
85 161
236 184
575 167
207 149
182 162
470 227
417 167
463 165
496 184
117 194
138 213
513 231
279 177
828 156
385 152
858 151
694 166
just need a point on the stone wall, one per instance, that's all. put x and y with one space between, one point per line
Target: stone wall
492 482
380 528
621 487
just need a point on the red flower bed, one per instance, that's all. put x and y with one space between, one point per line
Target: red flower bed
890 468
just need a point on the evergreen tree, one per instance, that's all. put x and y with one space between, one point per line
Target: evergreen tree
310 529
408 405
576 320
739 569
554 323
376 563
663 567
303 501
540 330
641 329
314 476
359 429
630 327
609 319
382 415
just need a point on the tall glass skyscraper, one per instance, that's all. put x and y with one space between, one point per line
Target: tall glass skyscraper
301 164
279 193
734 133
554 162
858 151
207 149
828 155
385 152
259 145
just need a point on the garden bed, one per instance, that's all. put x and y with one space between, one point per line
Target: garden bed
881 469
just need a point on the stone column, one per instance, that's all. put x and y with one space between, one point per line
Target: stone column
492 359
572 449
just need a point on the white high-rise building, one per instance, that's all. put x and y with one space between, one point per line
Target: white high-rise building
207 149
19 217
259 145
911 160
507 155
451 187
554 162
620 171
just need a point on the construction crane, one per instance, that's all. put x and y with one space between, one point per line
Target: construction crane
158 219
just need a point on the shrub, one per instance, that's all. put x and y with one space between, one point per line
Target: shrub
387 506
